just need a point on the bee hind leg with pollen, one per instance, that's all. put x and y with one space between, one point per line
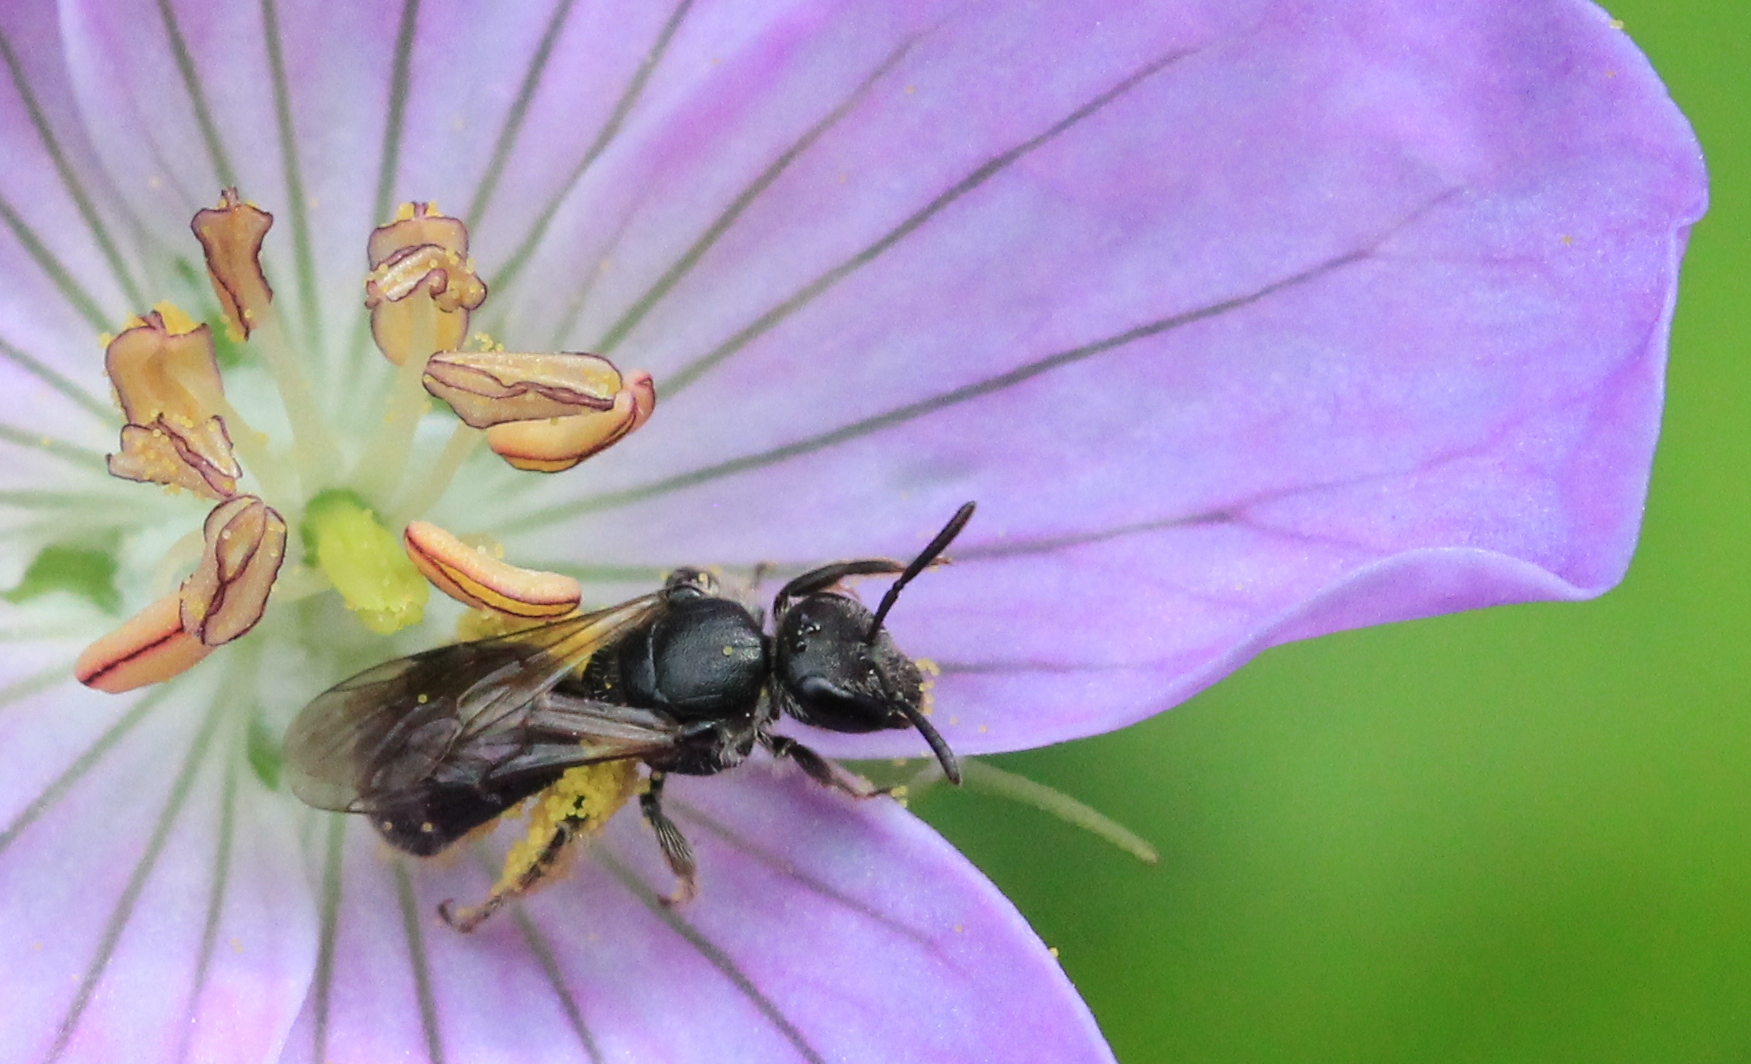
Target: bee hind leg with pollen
571 810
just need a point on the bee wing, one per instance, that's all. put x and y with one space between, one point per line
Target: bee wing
564 731
446 716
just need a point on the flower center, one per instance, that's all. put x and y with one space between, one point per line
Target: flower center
345 538
349 494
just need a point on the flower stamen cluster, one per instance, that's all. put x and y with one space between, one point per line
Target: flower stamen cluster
539 411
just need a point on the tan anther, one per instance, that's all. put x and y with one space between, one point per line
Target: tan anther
557 444
489 388
228 591
154 454
422 284
159 370
477 579
416 224
231 235
150 647
167 380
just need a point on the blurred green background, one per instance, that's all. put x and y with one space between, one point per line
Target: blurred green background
1522 834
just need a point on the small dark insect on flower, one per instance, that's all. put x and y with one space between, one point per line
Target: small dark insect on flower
685 680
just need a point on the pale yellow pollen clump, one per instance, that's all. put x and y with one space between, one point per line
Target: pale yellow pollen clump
582 801
490 624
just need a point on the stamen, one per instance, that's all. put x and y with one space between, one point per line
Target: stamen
384 460
365 561
430 487
166 380
424 253
228 591
317 456
557 444
155 455
475 578
489 388
161 362
421 290
231 236
150 647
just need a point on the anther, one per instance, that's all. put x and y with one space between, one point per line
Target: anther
167 381
228 591
488 388
477 579
422 284
557 444
150 647
231 236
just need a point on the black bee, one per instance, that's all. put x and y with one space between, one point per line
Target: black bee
685 680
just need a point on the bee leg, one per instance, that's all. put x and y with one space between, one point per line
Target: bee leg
470 917
822 771
676 849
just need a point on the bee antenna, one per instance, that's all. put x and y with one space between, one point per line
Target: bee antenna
944 756
919 564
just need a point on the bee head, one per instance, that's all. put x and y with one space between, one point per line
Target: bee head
837 668
836 678
837 672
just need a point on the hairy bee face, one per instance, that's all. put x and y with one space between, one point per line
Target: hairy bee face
832 676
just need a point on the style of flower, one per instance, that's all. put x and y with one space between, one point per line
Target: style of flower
1242 322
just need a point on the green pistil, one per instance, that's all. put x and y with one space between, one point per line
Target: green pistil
364 560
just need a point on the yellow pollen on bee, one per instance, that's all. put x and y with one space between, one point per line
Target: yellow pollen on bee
930 670
585 797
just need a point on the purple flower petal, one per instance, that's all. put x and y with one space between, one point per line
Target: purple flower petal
65 257
1242 324
155 906
825 929
491 118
